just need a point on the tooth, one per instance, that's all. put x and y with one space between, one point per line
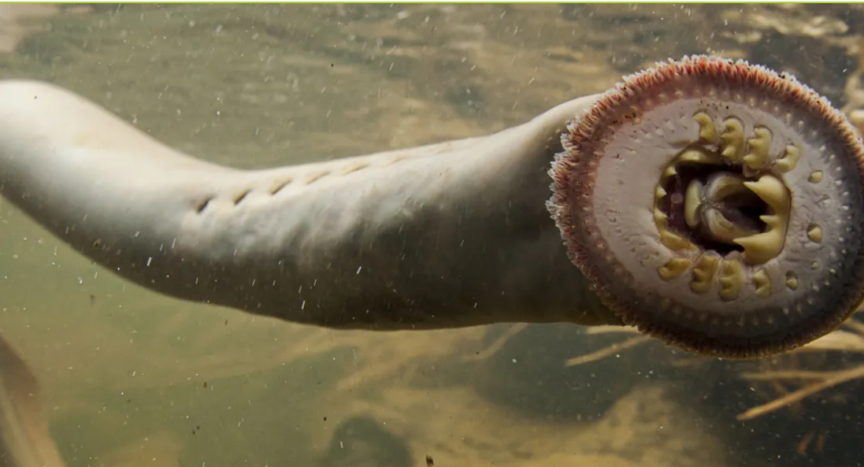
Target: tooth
660 218
733 139
670 171
703 273
758 156
771 220
675 242
772 191
762 247
790 160
731 279
700 156
814 233
762 283
707 131
692 201
674 268
659 192
791 280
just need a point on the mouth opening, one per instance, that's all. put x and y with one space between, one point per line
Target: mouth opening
712 206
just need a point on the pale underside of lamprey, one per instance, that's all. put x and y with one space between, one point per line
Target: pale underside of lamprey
716 205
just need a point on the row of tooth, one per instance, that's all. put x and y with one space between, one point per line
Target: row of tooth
762 247
758 248
731 276
732 146
668 238
757 159
732 272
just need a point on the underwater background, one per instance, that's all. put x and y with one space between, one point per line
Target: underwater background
132 378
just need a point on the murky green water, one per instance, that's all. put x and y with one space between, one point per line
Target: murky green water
132 378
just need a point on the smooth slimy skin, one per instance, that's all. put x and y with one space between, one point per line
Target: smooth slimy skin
443 236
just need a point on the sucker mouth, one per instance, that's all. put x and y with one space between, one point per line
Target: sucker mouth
729 207
716 205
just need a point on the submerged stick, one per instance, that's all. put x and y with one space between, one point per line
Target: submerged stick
824 380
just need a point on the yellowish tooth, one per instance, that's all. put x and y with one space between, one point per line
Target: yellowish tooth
771 190
659 192
707 130
704 272
815 177
674 268
700 155
761 248
792 280
675 242
758 156
790 160
692 201
660 218
764 246
669 172
733 139
731 279
814 233
762 283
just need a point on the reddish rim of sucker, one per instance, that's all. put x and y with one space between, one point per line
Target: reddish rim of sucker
716 205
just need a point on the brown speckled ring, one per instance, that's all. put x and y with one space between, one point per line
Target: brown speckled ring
716 205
